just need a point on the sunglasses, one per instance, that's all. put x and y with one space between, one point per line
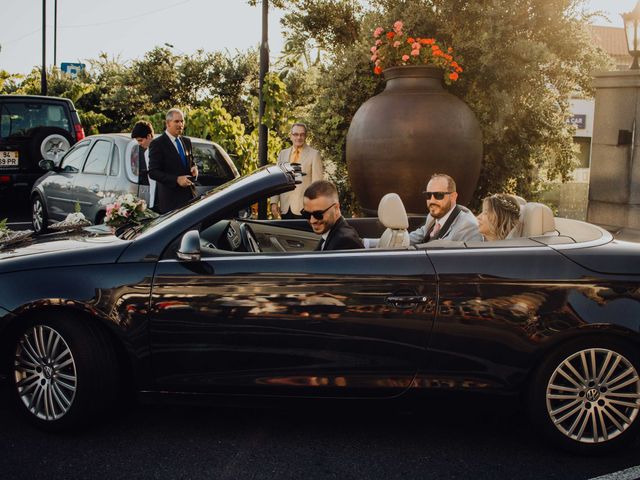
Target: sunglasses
317 214
436 195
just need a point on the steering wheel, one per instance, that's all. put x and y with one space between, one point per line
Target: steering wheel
248 238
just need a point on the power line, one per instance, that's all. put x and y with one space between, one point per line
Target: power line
98 24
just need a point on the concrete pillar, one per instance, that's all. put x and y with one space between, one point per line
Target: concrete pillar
614 185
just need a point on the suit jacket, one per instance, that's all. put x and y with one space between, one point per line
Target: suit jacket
165 166
311 164
463 228
342 237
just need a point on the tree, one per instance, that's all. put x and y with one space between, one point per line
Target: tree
522 60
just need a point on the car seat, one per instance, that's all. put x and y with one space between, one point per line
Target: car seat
393 216
537 220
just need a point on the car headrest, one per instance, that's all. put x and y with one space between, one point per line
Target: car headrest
521 201
537 219
391 212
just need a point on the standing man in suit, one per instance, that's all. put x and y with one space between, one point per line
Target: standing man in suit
322 210
143 134
446 219
289 204
171 164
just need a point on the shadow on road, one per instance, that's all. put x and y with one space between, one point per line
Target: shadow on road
310 440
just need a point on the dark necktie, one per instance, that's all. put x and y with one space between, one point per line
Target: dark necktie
181 152
321 244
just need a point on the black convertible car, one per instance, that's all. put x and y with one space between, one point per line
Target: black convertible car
201 304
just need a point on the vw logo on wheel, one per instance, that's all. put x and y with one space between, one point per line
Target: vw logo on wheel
592 394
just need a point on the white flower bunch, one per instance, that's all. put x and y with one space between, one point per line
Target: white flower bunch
126 208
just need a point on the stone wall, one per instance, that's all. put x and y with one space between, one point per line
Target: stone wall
614 187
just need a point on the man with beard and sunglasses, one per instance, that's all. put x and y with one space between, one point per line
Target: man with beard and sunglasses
321 208
446 219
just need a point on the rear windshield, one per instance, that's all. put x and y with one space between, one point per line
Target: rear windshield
212 167
17 119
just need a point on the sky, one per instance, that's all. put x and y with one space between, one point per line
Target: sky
127 29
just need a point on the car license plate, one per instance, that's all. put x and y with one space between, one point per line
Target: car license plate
8 159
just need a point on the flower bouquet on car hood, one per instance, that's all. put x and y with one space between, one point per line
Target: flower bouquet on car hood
126 209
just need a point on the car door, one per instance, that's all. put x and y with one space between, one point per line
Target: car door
313 323
58 187
499 304
89 184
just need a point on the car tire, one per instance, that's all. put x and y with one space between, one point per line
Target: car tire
585 397
65 371
49 143
39 217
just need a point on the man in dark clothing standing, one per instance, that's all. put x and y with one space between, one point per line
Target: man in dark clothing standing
322 210
143 134
171 164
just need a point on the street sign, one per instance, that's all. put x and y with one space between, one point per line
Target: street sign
579 121
72 68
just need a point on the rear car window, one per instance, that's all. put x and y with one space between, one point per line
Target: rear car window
134 160
98 158
211 164
17 118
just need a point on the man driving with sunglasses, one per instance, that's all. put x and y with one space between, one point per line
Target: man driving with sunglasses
446 219
321 208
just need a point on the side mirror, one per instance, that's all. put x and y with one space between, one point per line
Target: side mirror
46 164
189 250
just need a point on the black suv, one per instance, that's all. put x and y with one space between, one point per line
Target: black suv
33 128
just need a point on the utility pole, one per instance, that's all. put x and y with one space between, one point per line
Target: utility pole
43 75
55 32
262 129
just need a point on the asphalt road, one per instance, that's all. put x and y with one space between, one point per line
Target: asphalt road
451 441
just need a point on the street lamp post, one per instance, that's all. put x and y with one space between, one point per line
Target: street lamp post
55 32
631 24
43 75
263 133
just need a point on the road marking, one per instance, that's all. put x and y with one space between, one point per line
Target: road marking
629 474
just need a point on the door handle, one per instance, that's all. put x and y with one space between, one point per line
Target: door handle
295 243
406 301
68 185
95 188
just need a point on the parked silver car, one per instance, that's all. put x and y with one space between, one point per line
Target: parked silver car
109 164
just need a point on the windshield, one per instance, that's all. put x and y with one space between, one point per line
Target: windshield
18 118
134 230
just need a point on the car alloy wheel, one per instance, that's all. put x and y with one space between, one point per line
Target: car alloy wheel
593 396
65 368
38 215
45 373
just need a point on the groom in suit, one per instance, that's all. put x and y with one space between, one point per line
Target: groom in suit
289 204
171 164
446 220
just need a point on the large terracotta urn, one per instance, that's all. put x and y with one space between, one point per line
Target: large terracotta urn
411 130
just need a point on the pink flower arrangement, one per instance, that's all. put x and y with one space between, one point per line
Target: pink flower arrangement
126 209
395 48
